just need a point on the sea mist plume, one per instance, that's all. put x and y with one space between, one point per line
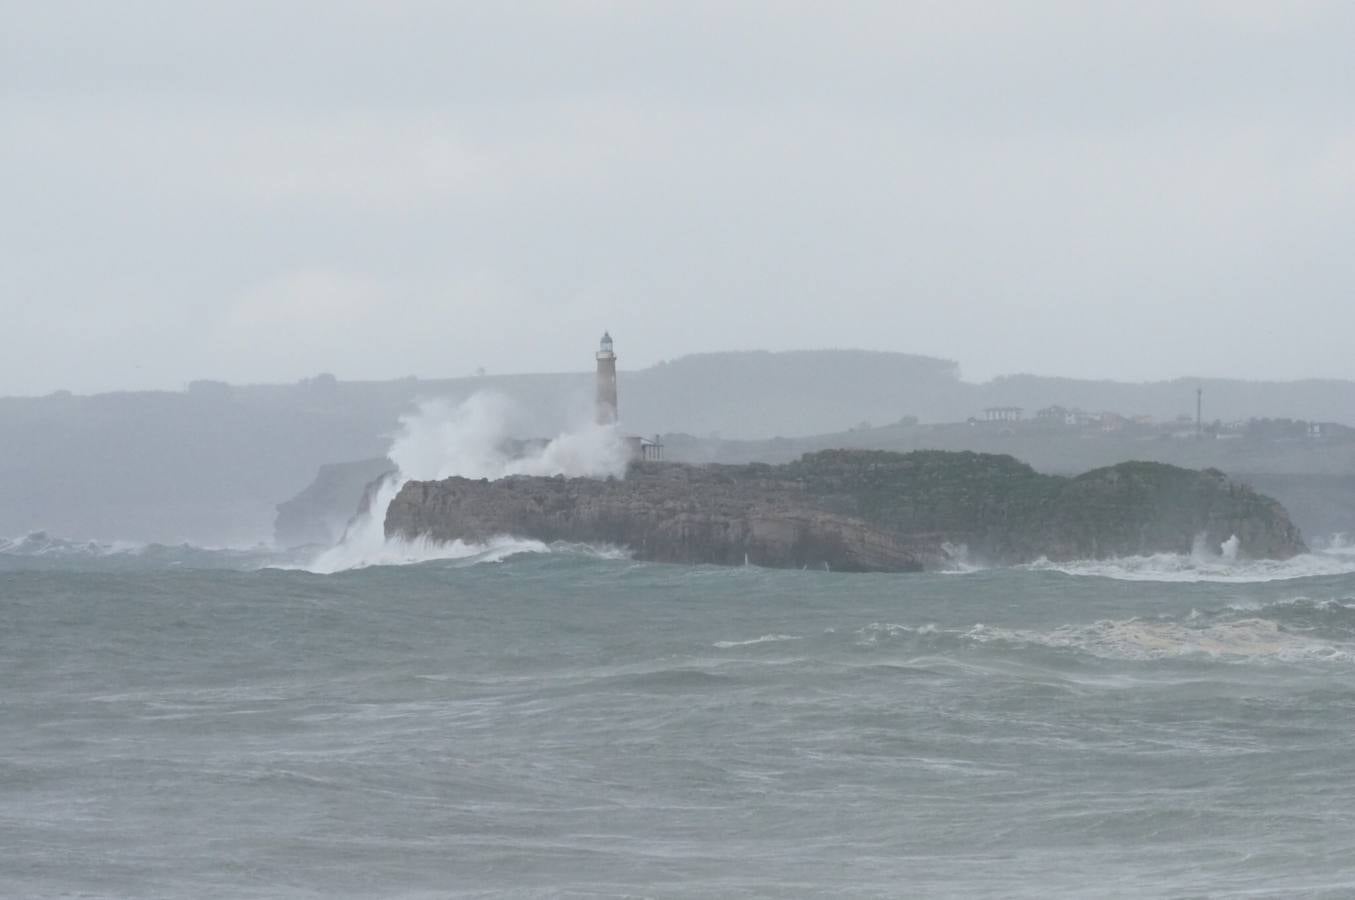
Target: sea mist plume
469 439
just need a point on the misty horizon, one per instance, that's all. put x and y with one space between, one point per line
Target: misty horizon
386 189
583 370
973 513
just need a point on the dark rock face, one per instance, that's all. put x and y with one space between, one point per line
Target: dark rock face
859 511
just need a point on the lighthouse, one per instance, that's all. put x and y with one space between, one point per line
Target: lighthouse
606 400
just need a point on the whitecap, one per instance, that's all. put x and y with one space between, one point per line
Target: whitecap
1197 567
403 552
765 639
40 543
1138 639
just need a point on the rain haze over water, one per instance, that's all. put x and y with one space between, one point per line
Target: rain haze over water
270 271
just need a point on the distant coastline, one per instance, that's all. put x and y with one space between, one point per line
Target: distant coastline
210 464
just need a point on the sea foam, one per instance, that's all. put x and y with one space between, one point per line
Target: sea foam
1203 563
1252 638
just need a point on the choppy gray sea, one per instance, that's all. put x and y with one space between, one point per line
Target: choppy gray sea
183 723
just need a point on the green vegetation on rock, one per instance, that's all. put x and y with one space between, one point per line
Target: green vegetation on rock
861 510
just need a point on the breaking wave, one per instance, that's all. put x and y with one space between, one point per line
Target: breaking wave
765 639
40 544
470 440
1292 630
1251 638
1169 567
42 550
959 561
1296 630
401 552
1202 564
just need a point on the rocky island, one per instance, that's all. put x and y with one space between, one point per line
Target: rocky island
860 510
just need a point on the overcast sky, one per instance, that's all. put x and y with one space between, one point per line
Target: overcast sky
260 191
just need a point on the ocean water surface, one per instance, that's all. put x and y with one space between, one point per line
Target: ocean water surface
569 723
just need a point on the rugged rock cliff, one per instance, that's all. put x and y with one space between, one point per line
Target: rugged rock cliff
858 510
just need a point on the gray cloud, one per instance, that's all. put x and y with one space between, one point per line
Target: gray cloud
261 191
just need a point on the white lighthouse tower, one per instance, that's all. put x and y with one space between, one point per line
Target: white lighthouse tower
606 398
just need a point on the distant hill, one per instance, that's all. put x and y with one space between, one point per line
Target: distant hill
210 464
760 394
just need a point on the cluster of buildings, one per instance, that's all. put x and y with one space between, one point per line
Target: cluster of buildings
1063 417
1182 427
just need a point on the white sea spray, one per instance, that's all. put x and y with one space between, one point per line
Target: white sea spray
441 440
